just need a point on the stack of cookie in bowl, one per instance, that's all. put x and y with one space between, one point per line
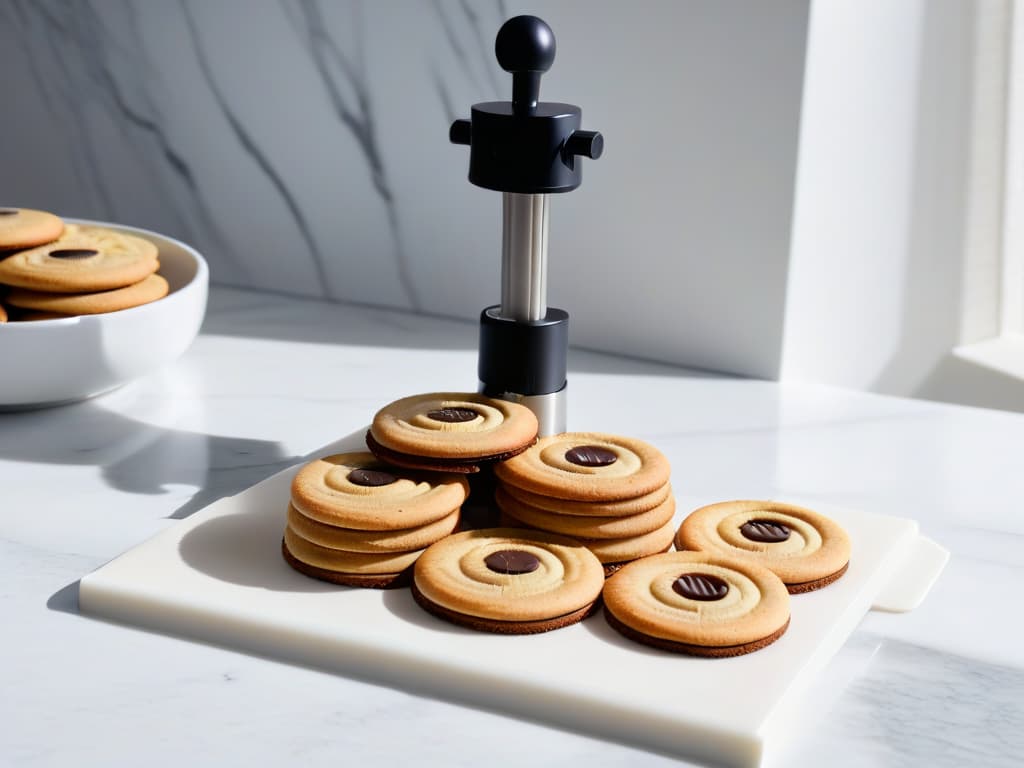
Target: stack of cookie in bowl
357 522
50 270
612 493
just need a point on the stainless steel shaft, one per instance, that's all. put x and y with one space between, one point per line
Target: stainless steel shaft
524 256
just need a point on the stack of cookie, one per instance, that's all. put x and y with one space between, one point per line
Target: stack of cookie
612 493
355 521
53 270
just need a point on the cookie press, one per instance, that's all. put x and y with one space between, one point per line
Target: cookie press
526 149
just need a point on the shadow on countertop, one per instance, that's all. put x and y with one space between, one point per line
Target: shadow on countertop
65 599
137 457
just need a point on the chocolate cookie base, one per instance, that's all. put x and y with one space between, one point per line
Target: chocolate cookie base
432 464
706 651
364 580
502 627
810 586
611 568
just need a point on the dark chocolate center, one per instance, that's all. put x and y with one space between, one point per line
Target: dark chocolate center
453 415
700 586
590 456
370 477
73 253
765 531
8 211
512 562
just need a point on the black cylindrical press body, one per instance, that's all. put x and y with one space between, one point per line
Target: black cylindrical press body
526 358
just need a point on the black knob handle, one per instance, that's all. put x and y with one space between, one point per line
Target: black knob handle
586 143
527 146
525 46
461 132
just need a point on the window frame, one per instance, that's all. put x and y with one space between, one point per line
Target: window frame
992 342
1012 278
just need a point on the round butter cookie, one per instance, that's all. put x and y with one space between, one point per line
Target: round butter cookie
697 603
508 581
370 542
355 490
450 431
82 260
353 569
26 228
147 290
587 466
804 548
581 527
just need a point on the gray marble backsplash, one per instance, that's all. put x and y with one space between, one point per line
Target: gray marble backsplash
302 146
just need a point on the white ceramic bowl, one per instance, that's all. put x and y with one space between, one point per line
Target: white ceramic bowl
49 362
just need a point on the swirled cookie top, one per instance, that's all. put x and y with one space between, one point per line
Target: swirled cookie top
698 598
509 574
355 490
454 425
587 466
798 544
27 228
82 259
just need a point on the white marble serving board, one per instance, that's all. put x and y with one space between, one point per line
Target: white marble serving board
218 576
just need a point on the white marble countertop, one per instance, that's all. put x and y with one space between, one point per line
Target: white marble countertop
271 379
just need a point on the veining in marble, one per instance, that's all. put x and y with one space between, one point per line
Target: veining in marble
302 147
912 706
